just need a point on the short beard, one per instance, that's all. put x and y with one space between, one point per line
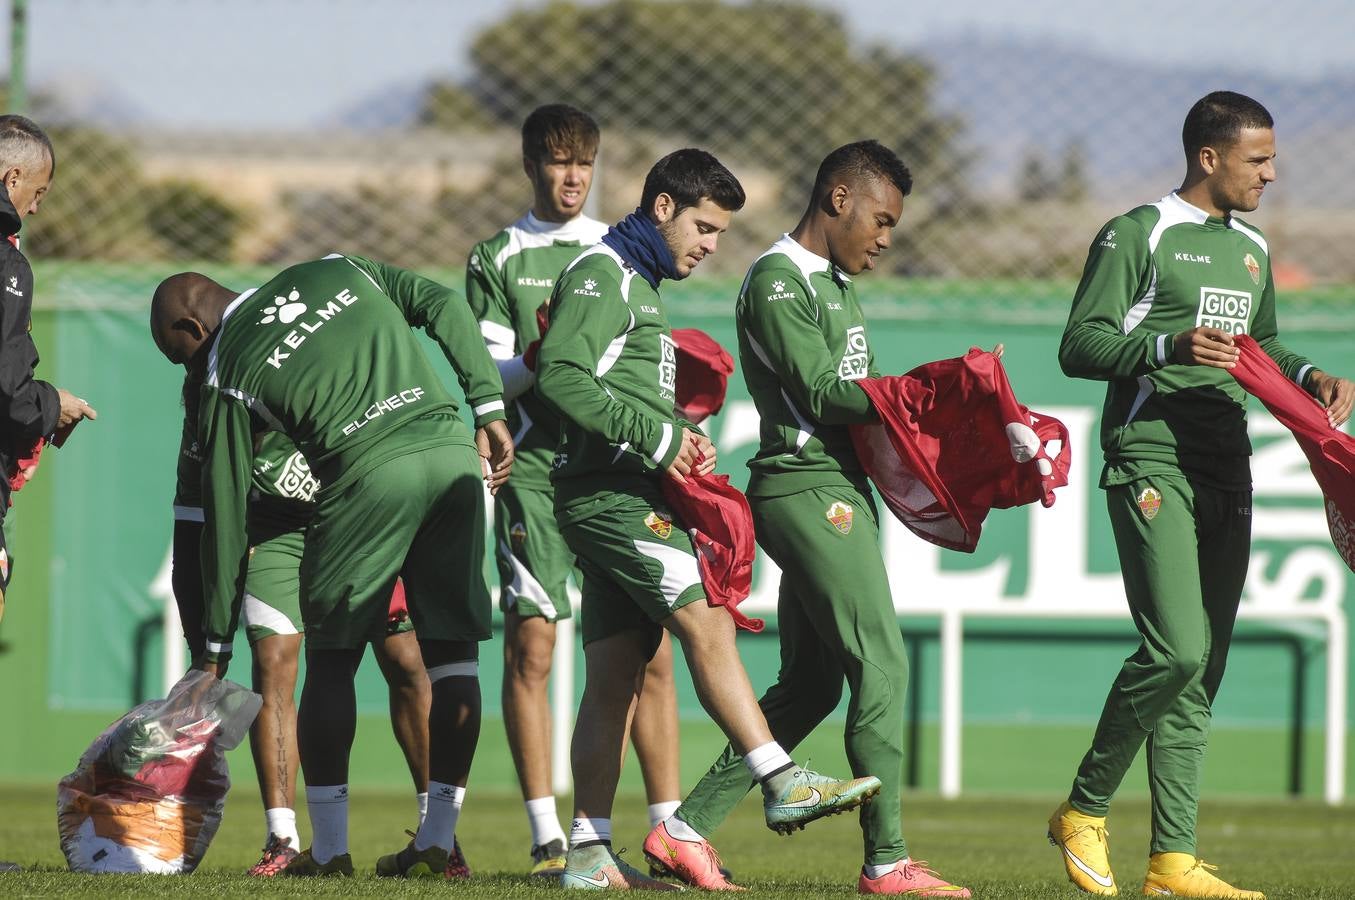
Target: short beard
669 232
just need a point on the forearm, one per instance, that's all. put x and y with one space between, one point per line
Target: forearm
30 407
1093 350
223 556
574 394
516 377
835 402
186 579
1295 366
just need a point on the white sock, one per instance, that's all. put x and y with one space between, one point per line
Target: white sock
328 807
438 828
681 830
763 761
282 821
660 811
877 871
545 822
585 830
422 800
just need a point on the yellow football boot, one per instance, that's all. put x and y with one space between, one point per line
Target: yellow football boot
1086 855
1182 875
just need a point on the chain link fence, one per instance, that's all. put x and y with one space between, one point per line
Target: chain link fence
1019 149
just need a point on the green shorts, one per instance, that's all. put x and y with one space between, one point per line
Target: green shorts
272 602
420 516
534 561
639 567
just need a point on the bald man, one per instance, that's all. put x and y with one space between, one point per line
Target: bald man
323 352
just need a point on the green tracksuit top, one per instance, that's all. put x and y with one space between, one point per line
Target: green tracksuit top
1158 270
508 277
324 354
188 471
802 344
608 367
282 488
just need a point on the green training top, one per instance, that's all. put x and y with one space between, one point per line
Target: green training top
802 344
608 367
1151 273
282 488
508 277
324 354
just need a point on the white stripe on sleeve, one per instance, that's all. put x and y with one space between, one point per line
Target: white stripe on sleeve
663 444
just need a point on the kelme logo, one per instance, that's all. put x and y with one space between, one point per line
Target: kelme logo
284 309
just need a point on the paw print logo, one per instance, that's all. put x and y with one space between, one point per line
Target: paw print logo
589 284
778 286
284 309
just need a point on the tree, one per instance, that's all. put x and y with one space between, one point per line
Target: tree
192 221
1036 182
1033 181
96 206
1072 186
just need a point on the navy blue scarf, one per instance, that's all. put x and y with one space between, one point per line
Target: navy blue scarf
637 241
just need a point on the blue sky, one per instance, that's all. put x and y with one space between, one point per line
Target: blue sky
298 63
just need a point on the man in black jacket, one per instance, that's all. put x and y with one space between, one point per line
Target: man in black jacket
30 410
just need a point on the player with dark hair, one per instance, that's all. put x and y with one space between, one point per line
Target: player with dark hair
324 353
802 345
608 368
508 281
1165 288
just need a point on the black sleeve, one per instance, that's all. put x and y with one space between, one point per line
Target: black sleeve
186 578
28 407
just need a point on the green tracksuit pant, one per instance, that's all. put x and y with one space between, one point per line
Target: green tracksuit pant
1183 550
837 622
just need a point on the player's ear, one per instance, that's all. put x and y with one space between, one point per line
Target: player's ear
839 198
12 176
663 208
1209 160
191 326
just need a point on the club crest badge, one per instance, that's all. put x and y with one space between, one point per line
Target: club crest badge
659 523
840 517
1342 533
1150 501
1253 268
517 533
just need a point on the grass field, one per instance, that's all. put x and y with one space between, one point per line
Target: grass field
995 846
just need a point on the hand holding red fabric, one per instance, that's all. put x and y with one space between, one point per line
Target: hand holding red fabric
953 443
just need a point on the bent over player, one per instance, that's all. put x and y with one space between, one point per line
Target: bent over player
323 353
1165 288
608 366
802 344
508 280
280 506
